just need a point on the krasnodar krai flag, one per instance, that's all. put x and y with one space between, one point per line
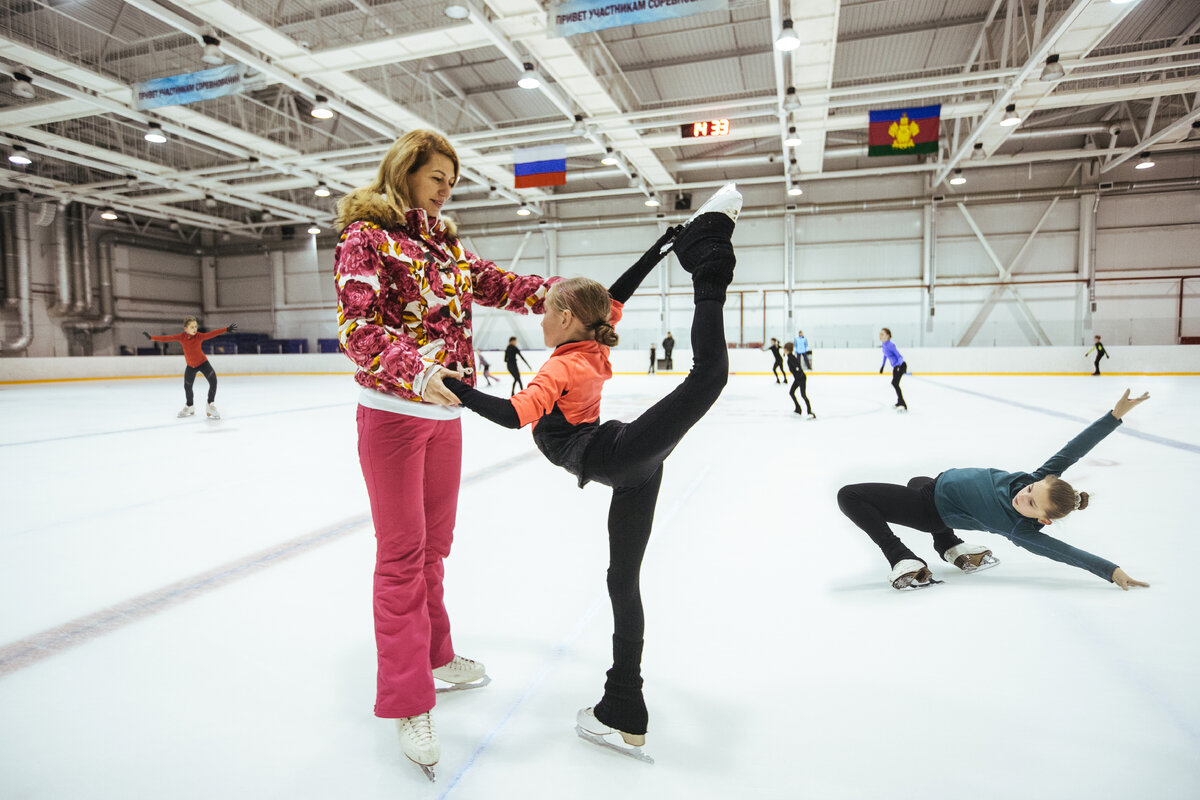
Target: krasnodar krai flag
904 131
539 166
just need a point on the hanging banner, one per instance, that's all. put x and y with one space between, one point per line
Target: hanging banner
904 131
539 166
571 17
179 90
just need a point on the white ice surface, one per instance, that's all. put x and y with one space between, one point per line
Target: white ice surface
778 662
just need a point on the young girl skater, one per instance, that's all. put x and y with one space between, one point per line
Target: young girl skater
778 365
1100 353
1015 505
890 353
796 365
196 362
563 404
511 354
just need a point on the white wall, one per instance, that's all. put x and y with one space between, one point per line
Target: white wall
1138 360
854 272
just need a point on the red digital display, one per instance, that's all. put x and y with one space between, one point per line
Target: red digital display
709 127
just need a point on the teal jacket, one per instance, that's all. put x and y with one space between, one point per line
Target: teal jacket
981 500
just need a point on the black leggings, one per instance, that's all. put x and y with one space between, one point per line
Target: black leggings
1098 357
871 506
801 383
897 374
189 375
629 458
512 370
778 365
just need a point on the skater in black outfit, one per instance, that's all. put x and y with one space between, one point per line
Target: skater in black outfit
563 402
668 348
800 380
652 357
511 354
1100 353
778 365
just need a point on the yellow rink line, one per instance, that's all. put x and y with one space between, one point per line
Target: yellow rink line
765 374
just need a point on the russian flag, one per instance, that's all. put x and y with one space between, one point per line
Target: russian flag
539 166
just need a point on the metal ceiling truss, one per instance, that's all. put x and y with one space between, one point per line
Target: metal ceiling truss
281 154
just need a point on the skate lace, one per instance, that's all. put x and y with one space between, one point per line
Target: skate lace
461 663
422 728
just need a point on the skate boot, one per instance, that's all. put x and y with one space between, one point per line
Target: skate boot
420 742
462 673
911 574
727 200
212 412
186 411
970 557
596 732
704 250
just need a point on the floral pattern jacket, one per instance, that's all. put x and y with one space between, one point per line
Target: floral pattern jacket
404 297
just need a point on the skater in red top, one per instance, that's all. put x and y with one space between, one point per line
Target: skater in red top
196 362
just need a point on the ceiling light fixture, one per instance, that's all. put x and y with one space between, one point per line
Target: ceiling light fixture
529 78
154 133
787 40
212 50
1010 116
651 201
22 85
524 211
210 201
578 128
977 153
793 139
1144 161
19 155
313 229
108 214
322 190
958 179
456 11
790 101
321 109
794 190
610 158
1053 71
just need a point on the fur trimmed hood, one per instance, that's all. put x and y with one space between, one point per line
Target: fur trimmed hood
366 205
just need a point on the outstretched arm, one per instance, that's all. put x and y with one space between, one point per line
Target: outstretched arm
1049 547
175 337
627 284
1082 444
497 409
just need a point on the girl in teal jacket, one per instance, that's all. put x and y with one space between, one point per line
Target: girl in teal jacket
1016 505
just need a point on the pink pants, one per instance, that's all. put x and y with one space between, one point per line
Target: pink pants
412 468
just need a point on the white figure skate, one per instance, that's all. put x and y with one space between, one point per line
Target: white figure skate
727 200
211 411
420 742
911 574
462 674
186 411
596 732
970 557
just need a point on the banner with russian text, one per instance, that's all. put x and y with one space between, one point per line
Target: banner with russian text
539 166
904 131
571 17
178 90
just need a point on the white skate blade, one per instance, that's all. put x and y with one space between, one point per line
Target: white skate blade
727 200
462 687
913 586
428 770
633 751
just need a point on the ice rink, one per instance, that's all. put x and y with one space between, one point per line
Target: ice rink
185 607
